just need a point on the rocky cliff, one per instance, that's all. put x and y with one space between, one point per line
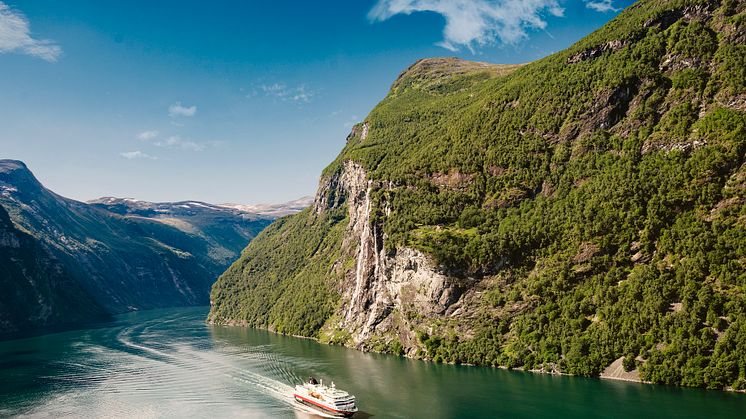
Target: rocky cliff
387 286
555 216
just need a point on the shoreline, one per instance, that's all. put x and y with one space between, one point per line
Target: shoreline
601 376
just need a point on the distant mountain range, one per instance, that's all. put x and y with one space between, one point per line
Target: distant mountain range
163 210
274 210
64 261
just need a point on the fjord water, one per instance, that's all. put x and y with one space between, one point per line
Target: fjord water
169 363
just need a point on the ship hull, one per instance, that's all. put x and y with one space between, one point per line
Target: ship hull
319 406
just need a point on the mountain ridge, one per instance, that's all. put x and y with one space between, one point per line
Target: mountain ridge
116 255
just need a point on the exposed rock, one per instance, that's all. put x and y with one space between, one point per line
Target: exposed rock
683 147
612 105
586 252
637 257
597 51
348 184
615 371
547 189
693 12
677 62
453 179
364 133
385 285
358 131
734 32
737 102
665 19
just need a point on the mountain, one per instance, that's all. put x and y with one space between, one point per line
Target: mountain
112 254
275 210
574 214
38 290
225 230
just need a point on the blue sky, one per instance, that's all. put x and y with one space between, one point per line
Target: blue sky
232 101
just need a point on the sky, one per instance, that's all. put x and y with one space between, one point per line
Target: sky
232 101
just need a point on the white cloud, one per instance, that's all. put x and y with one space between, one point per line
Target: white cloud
147 135
177 109
601 6
175 141
277 89
15 36
475 23
137 154
281 91
302 95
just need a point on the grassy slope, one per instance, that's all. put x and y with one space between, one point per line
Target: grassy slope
608 176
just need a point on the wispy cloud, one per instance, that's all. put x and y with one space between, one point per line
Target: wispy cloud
137 154
176 141
177 109
475 23
15 36
302 95
147 135
281 91
601 6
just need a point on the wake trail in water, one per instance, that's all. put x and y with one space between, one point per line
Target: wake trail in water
266 385
255 367
159 366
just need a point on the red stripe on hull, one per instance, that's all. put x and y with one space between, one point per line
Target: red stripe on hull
321 406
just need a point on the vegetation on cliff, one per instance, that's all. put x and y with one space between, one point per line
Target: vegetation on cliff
597 195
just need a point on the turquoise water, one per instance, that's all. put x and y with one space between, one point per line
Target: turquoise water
169 363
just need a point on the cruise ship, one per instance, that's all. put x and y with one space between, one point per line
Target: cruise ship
328 399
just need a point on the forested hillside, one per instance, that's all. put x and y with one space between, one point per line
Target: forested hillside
559 215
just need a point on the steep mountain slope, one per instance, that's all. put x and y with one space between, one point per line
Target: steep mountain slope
124 255
579 210
38 291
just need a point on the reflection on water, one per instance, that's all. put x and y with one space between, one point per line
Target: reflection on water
169 363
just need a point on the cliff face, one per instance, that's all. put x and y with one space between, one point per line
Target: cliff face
386 286
557 216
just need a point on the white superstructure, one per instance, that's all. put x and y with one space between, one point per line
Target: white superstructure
326 398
